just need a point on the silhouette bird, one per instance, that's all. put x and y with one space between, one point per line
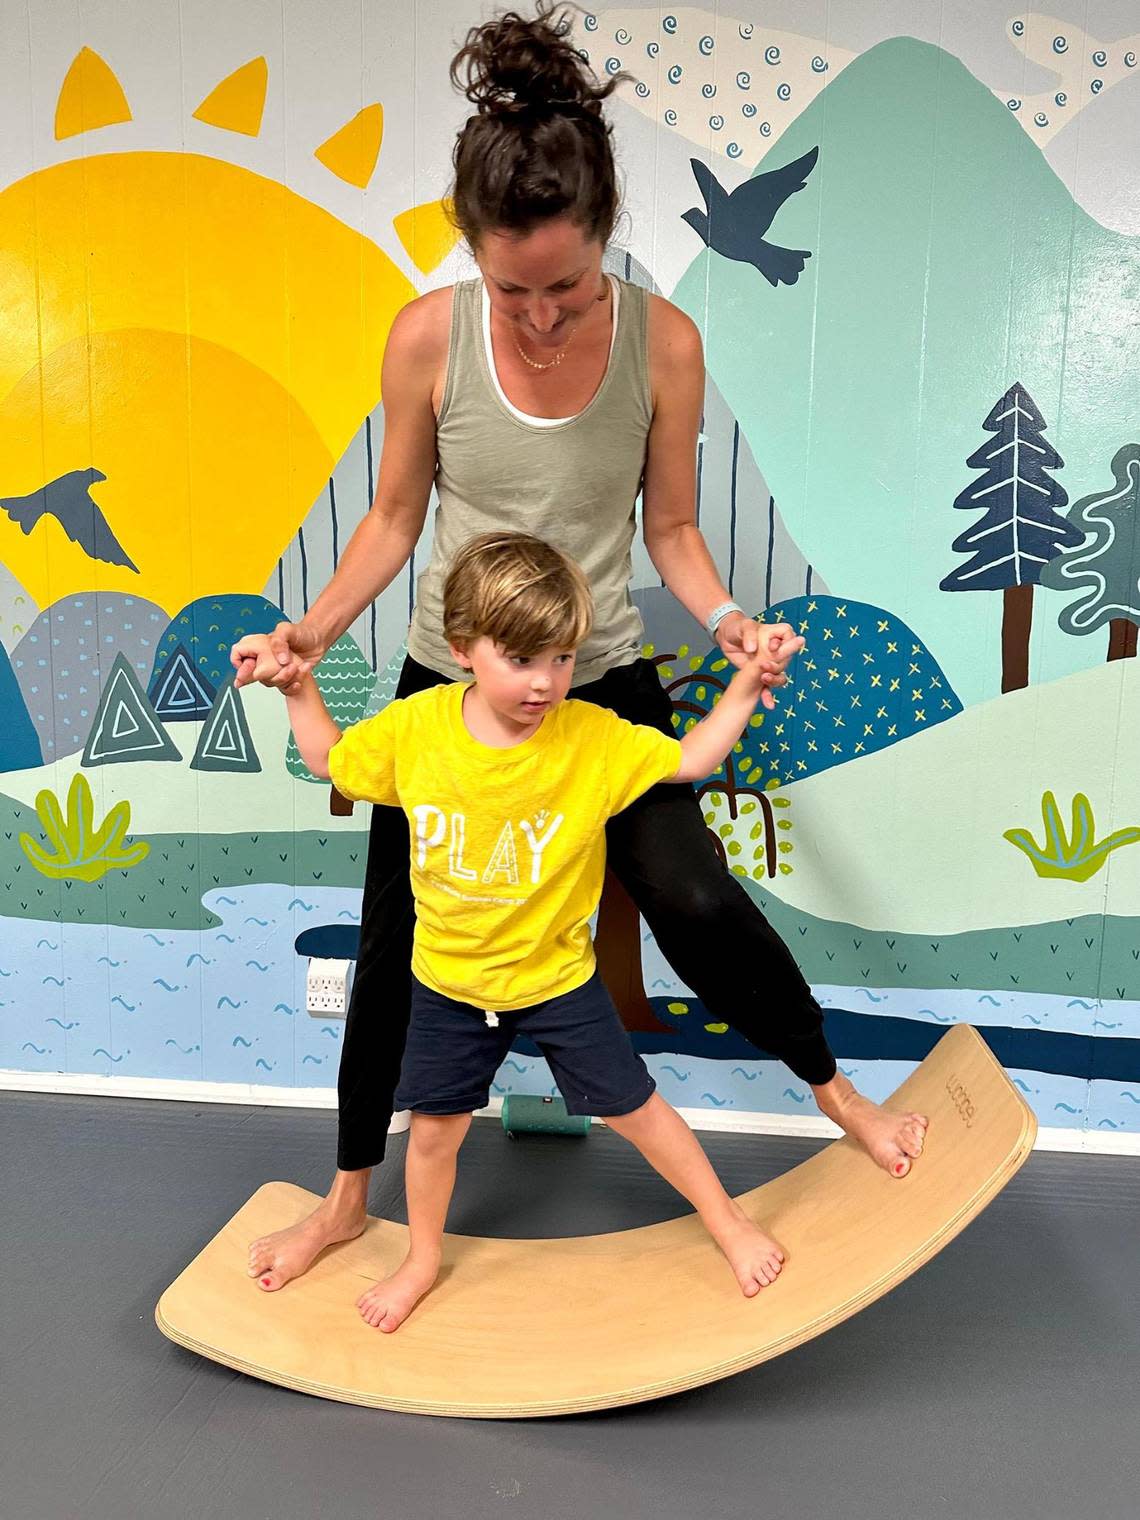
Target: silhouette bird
734 225
69 502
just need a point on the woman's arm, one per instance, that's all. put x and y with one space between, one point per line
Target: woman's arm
384 540
669 493
669 496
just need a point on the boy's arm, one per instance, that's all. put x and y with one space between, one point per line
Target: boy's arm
706 745
313 729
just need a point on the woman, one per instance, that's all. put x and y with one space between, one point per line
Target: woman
541 397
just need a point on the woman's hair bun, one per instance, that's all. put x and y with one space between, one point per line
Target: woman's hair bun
514 64
537 146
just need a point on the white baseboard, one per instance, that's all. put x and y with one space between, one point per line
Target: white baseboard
255 1095
168 1089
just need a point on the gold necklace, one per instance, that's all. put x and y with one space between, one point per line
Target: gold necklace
557 360
551 363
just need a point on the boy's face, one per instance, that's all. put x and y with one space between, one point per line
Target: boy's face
521 688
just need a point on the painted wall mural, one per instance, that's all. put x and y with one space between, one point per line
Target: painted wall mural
919 306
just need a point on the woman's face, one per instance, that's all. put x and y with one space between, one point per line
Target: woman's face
543 282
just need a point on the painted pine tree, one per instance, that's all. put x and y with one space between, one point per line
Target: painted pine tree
1021 531
1105 565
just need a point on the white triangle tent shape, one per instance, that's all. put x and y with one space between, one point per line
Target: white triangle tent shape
225 743
180 693
126 726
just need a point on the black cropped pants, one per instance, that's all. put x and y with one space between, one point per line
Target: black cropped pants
708 928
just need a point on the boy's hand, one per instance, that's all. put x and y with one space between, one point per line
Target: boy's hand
280 659
763 650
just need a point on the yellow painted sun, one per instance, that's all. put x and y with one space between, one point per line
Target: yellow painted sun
203 337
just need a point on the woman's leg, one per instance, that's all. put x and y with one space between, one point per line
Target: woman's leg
429 1180
720 944
375 1030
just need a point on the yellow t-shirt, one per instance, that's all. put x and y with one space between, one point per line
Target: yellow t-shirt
507 845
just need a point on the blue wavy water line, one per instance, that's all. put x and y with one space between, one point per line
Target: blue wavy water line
885 1037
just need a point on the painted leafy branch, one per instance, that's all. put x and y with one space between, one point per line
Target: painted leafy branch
81 851
1076 857
762 844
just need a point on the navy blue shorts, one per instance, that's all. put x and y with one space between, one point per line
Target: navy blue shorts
452 1053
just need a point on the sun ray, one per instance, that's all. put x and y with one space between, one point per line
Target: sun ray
236 105
427 233
352 151
90 97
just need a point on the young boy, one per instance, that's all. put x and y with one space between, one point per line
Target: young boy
507 787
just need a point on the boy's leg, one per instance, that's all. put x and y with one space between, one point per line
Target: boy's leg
671 1148
663 854
450 1058
429 1179
373 1045
598 1072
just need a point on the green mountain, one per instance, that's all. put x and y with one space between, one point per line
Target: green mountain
948 261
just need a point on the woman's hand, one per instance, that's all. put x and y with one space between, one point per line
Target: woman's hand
741 637
279 659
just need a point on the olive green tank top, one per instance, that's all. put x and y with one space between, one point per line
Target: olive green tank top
573 482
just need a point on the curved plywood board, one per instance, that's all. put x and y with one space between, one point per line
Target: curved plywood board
520 1328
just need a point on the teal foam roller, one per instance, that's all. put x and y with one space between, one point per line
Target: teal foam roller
524 1114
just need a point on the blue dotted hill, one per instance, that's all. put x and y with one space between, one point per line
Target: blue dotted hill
208 628
863 682
64 661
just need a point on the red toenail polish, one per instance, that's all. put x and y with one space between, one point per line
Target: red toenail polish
265 1282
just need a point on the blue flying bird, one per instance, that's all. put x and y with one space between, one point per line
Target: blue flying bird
734 225
68 500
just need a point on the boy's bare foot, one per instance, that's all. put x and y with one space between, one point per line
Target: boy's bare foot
276 1259
754 1256
386 1305
893 1141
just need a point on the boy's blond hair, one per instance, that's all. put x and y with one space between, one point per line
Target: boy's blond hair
518 591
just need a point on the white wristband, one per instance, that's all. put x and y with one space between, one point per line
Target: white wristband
717 616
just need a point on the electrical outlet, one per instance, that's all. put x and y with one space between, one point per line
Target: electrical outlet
326 986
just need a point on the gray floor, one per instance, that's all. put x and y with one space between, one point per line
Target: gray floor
1002 1381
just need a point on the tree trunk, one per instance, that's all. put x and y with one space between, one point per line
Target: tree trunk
771 838
617 946
1122 639
339 806
1017 619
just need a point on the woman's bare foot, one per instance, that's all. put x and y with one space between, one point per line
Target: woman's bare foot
276 1259
386 1305
893 1141
754 1256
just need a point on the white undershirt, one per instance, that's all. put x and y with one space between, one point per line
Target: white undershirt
514 410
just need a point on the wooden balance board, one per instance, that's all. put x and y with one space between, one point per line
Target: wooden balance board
522 1328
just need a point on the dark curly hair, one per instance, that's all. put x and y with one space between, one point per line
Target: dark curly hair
538 145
